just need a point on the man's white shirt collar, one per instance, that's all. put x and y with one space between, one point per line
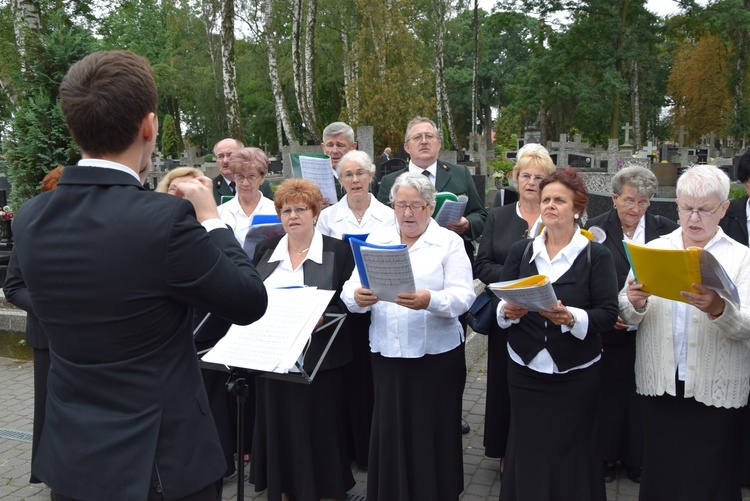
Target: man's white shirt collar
107 164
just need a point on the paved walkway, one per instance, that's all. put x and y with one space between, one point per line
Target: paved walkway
481 474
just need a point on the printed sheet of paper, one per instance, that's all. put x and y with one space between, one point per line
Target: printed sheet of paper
451 211
318 169
530 293
275 342
388 272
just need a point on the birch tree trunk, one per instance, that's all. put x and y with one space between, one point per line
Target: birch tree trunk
440 88
273 72
635 96
297 67
312 111
474 72
350 80
228 64
28 23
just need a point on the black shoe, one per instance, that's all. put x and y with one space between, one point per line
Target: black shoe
634 474
464 427
609 473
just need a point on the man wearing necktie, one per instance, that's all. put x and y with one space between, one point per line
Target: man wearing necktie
423 144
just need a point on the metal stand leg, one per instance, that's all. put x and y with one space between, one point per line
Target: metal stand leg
237 385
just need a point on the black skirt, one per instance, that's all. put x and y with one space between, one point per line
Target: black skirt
300 445
620 411
497 407
358 388
691 450
552 445
416 451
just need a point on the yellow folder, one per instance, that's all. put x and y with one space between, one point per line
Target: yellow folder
665 272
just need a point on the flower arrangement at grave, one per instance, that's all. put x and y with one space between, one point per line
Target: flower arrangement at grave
6 213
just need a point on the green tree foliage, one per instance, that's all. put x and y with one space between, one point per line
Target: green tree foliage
393 93
38 140
171 144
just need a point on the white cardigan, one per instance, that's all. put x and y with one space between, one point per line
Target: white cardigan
718 356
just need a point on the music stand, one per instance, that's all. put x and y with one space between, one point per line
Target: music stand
237 384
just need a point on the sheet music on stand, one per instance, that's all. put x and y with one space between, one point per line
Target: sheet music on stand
275 343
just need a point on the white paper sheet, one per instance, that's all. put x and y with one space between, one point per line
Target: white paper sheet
319 171
275 342
388 272
451 211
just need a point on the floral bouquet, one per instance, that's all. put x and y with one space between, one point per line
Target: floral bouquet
6 213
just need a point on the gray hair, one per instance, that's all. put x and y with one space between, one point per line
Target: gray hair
360 158
418 182
416 120
338 128
703 181
239 143
641 179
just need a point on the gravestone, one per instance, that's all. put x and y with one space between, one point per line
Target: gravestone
579 161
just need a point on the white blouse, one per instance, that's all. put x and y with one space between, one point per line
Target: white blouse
338 219
441 266
232 214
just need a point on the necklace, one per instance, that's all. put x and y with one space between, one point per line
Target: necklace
358 215
628 232
302 251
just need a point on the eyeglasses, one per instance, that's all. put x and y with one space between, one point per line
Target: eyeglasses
424 136
528 177
287 211
239 179
630 203
701 212
339 147
350 175
413 207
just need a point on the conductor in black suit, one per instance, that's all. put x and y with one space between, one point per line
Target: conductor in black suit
112 271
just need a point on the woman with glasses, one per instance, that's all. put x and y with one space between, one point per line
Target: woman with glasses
300 439
620 420
506 225
692 360
357 213
417 355
249 166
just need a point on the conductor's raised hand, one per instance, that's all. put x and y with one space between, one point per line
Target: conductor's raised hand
200 193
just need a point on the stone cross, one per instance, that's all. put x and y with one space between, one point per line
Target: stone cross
683 133
627 128
711 137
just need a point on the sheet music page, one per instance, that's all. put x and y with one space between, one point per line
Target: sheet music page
532 298
388 272
451 211
319 171
714 276
275 342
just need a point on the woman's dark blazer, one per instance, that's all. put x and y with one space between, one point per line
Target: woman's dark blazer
610 223
734 222
336 269
590 284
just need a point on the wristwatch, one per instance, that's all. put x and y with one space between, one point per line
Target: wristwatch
572 322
